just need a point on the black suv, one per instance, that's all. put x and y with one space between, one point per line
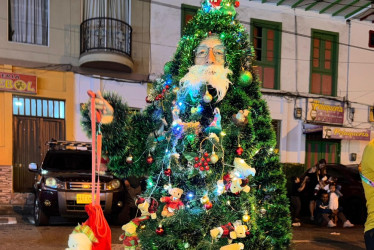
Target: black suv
63 184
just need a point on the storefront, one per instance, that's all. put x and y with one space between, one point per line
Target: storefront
35 106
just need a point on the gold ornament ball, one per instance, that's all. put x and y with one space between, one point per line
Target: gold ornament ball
207 97
246 218
214 158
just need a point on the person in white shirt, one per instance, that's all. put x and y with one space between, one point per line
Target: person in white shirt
334 207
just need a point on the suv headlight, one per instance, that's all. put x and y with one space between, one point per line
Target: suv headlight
53 183
114 184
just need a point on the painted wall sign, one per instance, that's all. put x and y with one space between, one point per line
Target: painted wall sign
325 111
346 133
12 82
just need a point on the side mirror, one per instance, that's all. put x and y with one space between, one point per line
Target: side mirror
33 167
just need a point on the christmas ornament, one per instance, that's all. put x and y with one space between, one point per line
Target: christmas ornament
208 205
168 172
142 227
262 211
175 90
215 3
245 78
129 159
207 97
237 4
148 100
202 163
160 231
204 199
240 119
149 159
215 126
239 150
213 158
173 202
242 169
246 217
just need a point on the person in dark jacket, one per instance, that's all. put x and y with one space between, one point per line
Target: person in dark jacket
295 201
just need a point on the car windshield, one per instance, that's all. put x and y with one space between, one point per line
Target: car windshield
68 160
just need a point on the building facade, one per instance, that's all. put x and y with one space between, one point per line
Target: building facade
52 53
314 62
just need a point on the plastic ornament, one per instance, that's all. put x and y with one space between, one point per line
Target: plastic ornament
245 78
262 211
129 159
208 205
160 231
246 217
149 159
237 4
213 158
147 100
142 227
167 172
239 150
175 90
207 97
204 199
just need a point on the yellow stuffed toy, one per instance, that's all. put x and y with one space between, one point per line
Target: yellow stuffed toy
236 246
130 237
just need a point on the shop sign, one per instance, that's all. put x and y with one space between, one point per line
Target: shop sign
346 133
311 128
325 111
12 82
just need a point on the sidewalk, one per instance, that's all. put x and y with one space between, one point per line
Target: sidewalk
311 237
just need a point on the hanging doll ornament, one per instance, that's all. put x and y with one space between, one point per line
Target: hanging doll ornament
215 126
207 97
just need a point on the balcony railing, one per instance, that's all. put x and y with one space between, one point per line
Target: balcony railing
105 34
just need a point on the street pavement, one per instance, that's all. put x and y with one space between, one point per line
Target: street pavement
18 232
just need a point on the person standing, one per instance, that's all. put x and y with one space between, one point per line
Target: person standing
295 201
366 169
309 183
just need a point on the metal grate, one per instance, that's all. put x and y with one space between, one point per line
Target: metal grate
84 186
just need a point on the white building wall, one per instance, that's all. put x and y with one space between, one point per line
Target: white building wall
297 28
133 94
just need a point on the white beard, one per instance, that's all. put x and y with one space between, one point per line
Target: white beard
213 75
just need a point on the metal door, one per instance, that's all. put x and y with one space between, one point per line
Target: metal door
321 149
30 136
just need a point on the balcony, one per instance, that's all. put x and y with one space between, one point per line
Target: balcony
105 43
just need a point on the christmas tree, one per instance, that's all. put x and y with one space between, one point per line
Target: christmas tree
206 145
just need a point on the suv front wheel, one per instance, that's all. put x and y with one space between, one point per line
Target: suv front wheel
40 218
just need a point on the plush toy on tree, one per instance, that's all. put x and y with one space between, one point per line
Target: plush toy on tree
147 206
130 237
81 238
231 231
173 202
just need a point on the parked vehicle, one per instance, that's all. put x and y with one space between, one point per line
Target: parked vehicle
63 184
353 200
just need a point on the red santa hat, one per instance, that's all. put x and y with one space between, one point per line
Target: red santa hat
138 220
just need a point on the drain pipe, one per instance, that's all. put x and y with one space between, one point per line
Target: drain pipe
348 21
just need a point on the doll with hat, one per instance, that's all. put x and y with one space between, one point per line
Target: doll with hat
130 237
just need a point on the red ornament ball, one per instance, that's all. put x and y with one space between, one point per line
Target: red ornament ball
160 231
205 164
167 172
206 154
147 100
202 168
239 150
237 4
196 165
208 159
149 159
207 168
197 158
208 205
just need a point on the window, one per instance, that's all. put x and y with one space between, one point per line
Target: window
371 38
28 106
277 129
188 12
266 39
28 21
324 58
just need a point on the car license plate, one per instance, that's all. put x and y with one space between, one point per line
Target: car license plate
84 198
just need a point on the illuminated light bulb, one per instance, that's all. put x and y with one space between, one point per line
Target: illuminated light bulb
190 195
222 133
228 202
